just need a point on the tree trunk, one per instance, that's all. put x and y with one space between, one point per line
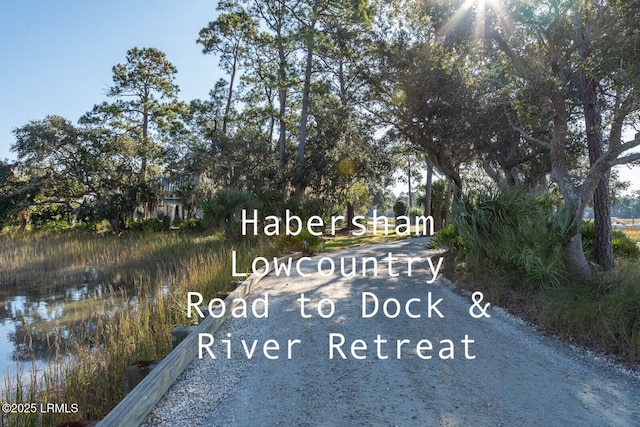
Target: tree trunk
437 216
25 218
409 184
350 214
603 248
282 139
145 144
227 107
575 261
272 123
282 99
447 213
304 112
574 258
427 188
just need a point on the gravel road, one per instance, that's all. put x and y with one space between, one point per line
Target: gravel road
495 371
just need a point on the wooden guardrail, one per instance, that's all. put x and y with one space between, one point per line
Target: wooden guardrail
135 406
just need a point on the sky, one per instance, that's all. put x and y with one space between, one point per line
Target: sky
56 56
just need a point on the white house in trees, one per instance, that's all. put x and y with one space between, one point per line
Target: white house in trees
177 197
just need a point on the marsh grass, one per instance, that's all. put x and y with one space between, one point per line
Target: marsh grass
47 257
603 314
634 234
89 369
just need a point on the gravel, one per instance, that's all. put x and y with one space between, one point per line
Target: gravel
518 376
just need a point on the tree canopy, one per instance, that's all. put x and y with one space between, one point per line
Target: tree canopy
323 100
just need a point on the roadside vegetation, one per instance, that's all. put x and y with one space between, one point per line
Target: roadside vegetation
321 104
132 322
508 244
156 264
88 368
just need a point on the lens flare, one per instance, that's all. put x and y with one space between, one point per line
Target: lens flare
346 166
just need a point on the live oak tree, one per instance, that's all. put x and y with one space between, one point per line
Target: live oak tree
14 196
56 166
81 170
568 52
566 77
425 93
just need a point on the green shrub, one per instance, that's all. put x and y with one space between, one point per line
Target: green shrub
271 202
224 210
102 226
310 207
151 224
304 242
52 225
447 238
400 208
588 231
623 245
160 223
191 224
518 236
165 221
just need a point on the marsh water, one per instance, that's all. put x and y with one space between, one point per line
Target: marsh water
35 316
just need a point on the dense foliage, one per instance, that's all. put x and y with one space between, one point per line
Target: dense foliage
512 234
324 99
519 237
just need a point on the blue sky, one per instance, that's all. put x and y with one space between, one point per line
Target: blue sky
56 56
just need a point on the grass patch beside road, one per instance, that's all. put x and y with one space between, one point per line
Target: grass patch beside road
602 315
350 241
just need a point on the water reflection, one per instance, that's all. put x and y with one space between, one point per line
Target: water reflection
35 316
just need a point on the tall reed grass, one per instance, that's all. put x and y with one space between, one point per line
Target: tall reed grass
90 370
41 257
633 234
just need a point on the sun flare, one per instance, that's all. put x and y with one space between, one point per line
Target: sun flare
481 9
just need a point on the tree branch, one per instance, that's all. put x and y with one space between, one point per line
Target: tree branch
530 138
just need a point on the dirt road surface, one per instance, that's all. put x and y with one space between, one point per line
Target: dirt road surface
502 373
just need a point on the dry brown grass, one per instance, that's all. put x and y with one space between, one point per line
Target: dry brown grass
633 233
